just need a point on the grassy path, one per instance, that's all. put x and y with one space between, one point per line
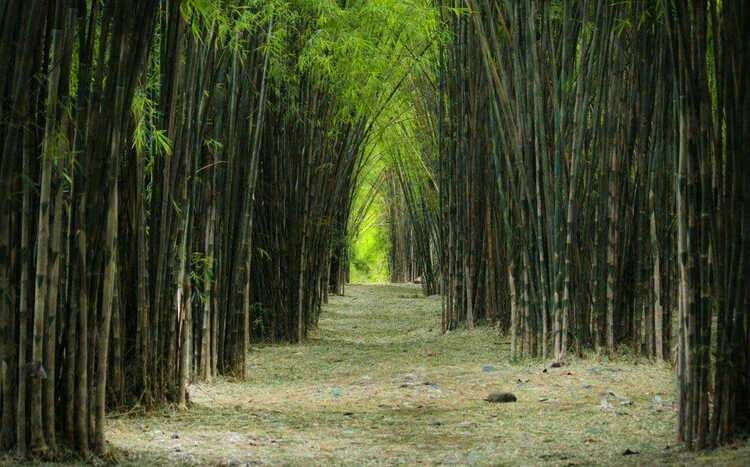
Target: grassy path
378 384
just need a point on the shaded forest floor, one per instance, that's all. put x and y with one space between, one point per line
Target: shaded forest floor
378 384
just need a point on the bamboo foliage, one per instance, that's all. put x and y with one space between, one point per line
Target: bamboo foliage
320 123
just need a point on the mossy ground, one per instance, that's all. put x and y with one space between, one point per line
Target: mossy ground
379 384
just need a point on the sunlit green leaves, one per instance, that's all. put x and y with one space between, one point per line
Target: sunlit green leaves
145 136
361 52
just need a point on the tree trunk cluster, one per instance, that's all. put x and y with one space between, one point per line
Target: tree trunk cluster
593 186
130 138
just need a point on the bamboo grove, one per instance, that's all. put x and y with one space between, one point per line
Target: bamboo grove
180 179
176 182
593 186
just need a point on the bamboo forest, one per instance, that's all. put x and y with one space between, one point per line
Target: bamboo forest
375 232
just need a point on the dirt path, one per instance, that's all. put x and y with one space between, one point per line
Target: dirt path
378 384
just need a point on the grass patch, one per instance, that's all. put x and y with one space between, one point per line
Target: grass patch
377 384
